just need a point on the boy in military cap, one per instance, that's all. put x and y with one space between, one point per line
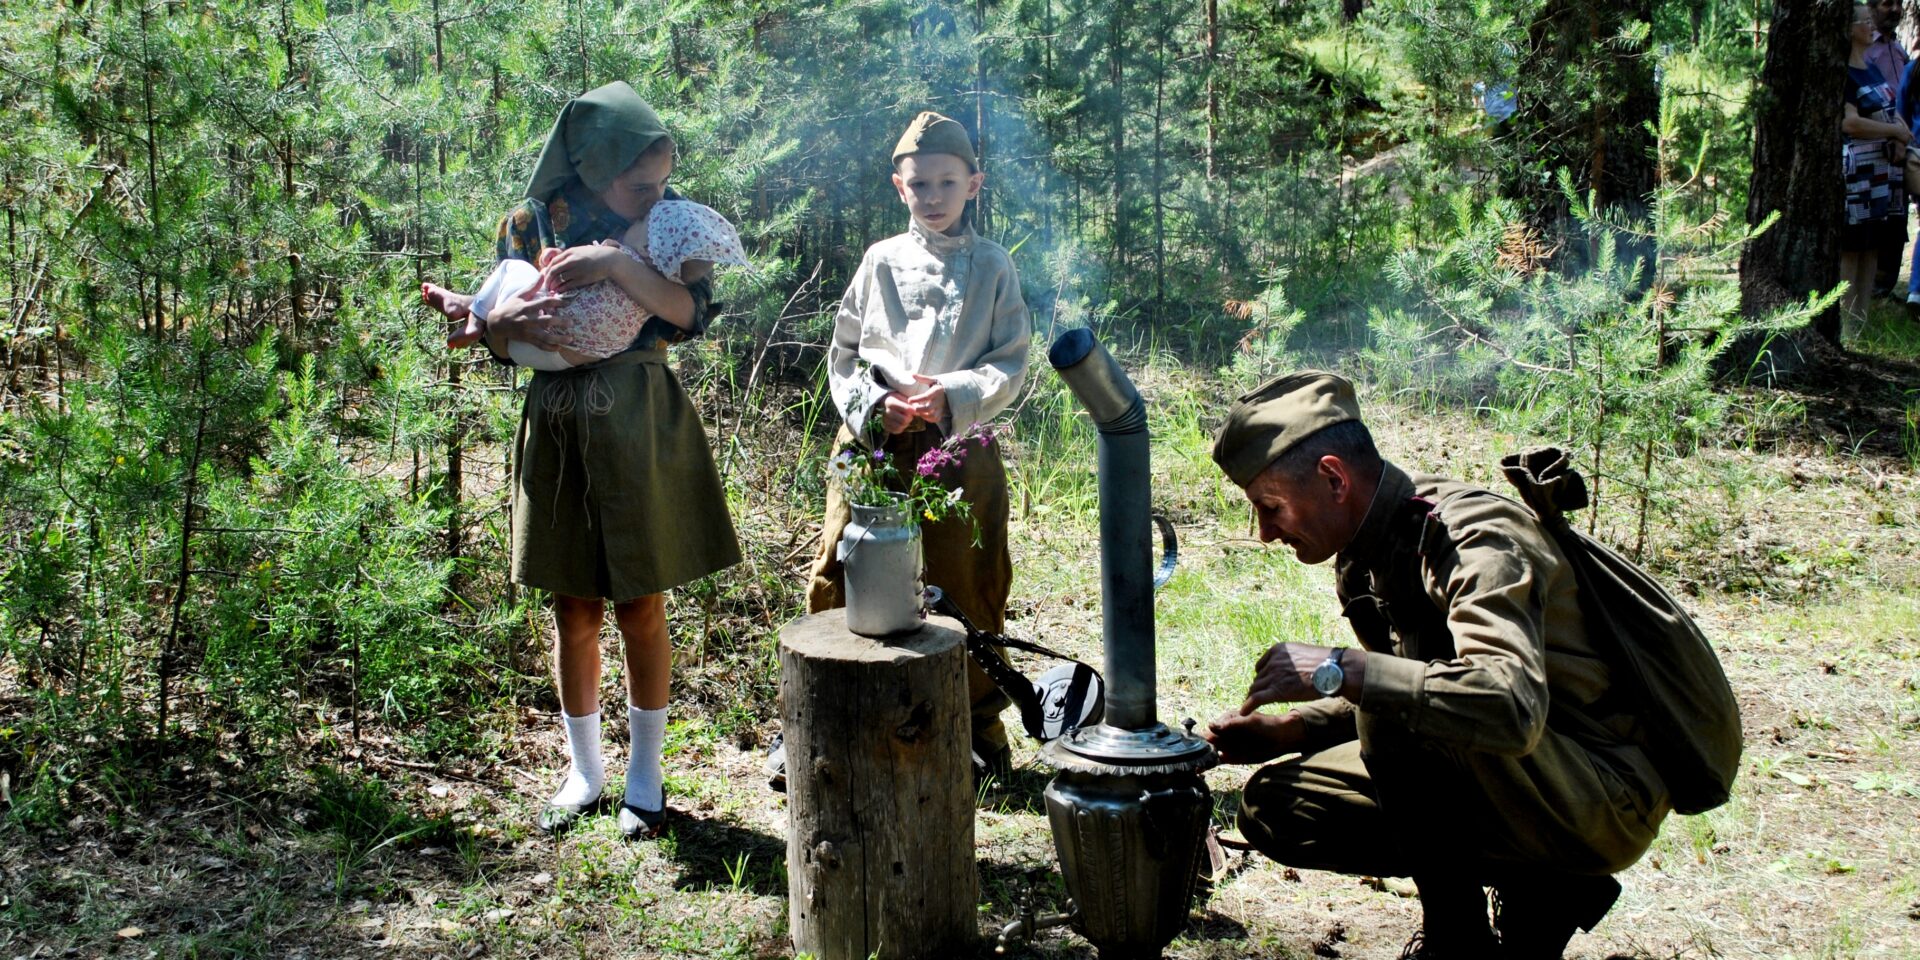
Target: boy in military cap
930 340
1470 740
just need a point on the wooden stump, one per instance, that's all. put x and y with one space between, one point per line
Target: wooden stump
879 791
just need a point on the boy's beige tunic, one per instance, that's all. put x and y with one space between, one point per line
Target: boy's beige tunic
1485 739
961 320
959 317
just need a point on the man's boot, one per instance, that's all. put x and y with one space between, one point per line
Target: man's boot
1537 915
1453 921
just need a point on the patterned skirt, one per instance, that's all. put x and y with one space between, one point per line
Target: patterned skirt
1876 195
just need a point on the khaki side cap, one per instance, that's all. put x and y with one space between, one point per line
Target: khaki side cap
932 133
1269 419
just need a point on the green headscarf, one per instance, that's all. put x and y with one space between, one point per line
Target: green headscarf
596 138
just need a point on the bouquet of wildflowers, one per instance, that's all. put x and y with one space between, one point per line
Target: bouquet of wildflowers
923 495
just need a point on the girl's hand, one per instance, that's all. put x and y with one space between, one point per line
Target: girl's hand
578 267
526 316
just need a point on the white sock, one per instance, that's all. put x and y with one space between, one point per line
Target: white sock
643 764
589 772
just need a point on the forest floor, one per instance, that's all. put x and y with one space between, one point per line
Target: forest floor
1798 551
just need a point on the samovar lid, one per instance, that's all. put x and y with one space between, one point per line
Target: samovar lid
1155 749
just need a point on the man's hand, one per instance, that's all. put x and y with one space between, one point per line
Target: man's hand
1285 675
930 404
1256 738
896 412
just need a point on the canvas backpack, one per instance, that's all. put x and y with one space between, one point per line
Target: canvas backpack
1663 667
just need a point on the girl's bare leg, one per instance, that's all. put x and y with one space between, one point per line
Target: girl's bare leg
576 652
643 624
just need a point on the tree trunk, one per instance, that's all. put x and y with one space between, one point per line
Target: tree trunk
1159 163
1796 172
1574 57
880 859
1116 74
1213 94
981 206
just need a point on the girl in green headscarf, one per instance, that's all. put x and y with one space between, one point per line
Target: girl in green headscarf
615 493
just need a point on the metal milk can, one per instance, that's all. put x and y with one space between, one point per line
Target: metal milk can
881 553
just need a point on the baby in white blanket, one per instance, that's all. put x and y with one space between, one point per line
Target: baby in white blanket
600 320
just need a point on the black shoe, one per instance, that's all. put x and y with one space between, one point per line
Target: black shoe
558 818
638 824
1535 919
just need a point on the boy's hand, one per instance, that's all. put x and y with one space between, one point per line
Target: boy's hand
930 404
896 412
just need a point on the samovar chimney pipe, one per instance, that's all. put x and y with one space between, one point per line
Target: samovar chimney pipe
1126 545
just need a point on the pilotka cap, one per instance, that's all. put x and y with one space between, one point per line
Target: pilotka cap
932 133
1269 419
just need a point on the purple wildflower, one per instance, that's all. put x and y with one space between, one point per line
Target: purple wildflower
933 461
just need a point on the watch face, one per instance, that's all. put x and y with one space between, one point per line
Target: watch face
1328 677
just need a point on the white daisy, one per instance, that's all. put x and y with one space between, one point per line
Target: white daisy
841 466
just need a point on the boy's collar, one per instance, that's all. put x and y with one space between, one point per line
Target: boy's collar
940 242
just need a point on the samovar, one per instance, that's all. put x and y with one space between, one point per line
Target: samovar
1128 807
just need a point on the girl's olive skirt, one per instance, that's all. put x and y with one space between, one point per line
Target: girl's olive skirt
615 492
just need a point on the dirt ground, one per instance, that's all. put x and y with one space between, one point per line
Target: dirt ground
1797 551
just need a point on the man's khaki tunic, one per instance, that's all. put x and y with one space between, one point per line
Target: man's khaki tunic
1484 744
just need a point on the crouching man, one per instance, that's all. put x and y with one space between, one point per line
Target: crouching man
1469 742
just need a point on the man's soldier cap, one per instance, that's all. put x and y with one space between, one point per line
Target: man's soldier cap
1269 419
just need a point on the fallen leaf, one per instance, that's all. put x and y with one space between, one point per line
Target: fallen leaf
541 879
438 790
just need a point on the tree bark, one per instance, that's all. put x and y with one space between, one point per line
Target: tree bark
1213 94
1585 102
1117 40
1796 172
880 859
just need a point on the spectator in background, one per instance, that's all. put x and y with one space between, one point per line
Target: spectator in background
1887 55
1907 105
1875 135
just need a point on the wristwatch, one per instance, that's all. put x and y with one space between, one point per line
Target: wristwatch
1328 678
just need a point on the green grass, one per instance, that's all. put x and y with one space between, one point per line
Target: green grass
1828 669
